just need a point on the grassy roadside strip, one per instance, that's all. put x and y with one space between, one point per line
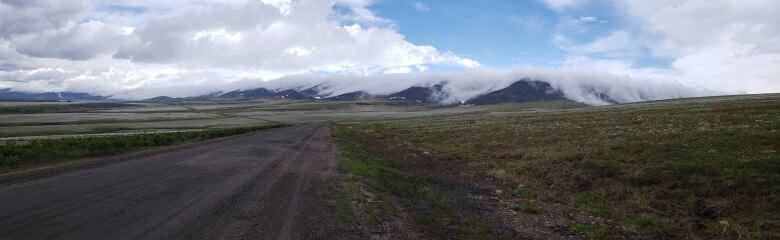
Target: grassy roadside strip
62 108
376 190
99 121
16 156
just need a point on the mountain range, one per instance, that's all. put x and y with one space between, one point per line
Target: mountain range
10 95
524 90
520 91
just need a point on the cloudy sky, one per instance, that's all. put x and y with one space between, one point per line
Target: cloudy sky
144 48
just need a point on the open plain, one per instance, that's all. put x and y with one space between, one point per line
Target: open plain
689 168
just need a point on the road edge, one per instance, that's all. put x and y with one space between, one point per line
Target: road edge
92 163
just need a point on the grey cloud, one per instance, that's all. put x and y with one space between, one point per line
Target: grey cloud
8 67
29 16
19 3
170 39
79 42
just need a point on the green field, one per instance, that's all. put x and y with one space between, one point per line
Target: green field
692 168
696 168
25 120
36 134
20 155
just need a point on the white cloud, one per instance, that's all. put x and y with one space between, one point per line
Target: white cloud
257 29
141 48
284 6
420 7
358 10
618 44
353 29
31 16
561 5
588 19
729 45
579 84
736 50
120 47
218 36
298 51
532 23
75 42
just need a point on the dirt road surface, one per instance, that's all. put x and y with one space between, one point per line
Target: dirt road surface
263 185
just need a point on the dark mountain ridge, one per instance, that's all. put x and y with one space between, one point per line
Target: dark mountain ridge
418 95
525 90
251 93
359 95
9 95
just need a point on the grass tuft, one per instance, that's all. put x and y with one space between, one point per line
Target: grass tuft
591 232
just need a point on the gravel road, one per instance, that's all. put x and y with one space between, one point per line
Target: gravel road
264 185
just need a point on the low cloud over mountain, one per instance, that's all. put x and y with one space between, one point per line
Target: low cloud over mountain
630 50
448 88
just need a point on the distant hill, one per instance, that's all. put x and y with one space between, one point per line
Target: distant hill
313 92
9 95
251 93
162 98
359 95
418 95
292 94
521 91
204 97
260 93
524 90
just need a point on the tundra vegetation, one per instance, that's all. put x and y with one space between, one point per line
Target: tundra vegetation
694 168
36 134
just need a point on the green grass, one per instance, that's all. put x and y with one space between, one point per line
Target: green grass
675 168
380 174
101 121
61 108
647 222
35 153
530 208
591 232
594 203
527 208
380 170
522 192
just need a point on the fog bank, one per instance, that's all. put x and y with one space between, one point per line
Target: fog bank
577 84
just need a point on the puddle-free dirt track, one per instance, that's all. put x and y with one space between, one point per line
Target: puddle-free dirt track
263 185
